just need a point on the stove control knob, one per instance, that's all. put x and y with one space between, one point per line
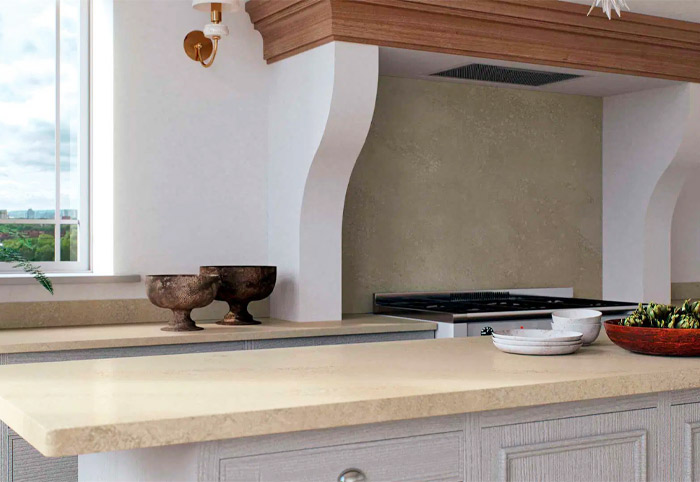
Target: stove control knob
352 475
486 331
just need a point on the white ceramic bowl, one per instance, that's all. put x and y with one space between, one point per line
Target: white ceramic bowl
578 316
536 335
536 350
590 331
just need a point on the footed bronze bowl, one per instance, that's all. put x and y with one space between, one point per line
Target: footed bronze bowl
182 293
239 286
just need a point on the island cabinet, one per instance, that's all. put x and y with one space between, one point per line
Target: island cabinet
20 462
649 437
685 428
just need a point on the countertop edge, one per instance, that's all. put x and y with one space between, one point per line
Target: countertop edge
376 324
126 436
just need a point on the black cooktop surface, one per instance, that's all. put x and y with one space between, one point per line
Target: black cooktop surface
490 302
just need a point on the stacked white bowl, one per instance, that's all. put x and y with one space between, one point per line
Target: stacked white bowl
586 322
537 342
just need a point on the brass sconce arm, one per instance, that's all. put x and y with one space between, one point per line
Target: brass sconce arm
211 58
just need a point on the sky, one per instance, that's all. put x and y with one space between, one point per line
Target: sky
27 104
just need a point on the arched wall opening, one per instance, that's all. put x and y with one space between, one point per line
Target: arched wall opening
685 240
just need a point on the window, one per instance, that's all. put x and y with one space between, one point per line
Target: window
44 148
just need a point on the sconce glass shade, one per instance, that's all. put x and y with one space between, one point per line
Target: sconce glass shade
226 5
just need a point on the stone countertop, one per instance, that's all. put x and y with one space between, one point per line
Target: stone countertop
26 340
81 407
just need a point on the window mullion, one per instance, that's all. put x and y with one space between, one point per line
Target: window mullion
85 214
57 211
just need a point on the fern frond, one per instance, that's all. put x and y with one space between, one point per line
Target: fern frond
8 255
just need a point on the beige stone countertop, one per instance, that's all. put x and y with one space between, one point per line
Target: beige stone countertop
27 340
79 407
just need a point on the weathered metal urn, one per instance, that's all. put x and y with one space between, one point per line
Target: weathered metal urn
239 286
182 293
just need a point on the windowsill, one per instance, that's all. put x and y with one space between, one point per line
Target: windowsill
69 278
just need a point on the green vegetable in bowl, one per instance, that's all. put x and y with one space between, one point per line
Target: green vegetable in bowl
655 315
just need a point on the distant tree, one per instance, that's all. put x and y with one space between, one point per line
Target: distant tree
45 249
69 245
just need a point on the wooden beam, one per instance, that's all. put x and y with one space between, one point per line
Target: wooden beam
544 32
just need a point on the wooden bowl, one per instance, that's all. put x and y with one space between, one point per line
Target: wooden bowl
654 341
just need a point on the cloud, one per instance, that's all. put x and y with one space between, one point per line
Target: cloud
27 102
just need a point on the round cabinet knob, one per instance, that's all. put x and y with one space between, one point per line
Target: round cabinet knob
352 475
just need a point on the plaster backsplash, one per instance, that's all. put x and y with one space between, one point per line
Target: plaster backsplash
462 186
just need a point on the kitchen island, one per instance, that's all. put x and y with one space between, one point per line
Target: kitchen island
450 409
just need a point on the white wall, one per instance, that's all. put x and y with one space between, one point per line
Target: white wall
190 152
650 144
685 233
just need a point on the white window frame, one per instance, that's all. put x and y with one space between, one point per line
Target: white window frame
85 167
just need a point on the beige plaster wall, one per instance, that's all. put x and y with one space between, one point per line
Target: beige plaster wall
42 314
462 187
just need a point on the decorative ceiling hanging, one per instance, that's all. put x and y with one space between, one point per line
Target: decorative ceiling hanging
609 5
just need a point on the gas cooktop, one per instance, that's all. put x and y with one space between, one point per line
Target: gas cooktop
480 305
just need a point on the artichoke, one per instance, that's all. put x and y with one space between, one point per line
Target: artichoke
671 322
687 307
695 308
684 321
637 318
659 315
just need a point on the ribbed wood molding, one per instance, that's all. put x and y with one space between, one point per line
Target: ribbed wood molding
545 32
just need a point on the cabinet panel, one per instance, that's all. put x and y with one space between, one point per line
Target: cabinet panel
438 457
685 433
28 465
610 447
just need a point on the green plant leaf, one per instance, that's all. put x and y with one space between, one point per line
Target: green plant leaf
8 255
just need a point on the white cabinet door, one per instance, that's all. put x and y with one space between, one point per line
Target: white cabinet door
685 434
608 447
437 457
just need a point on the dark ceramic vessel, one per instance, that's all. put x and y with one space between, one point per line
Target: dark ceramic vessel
239 286
182 293
654 341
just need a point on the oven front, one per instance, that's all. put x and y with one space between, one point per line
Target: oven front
481 327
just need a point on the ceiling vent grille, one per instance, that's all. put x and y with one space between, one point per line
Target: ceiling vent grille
504 75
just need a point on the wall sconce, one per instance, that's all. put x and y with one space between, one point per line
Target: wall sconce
202 46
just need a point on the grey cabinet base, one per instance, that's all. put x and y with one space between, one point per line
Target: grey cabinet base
20 462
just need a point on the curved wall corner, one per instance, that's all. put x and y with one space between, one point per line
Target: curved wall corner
650 144
321 106
685 236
